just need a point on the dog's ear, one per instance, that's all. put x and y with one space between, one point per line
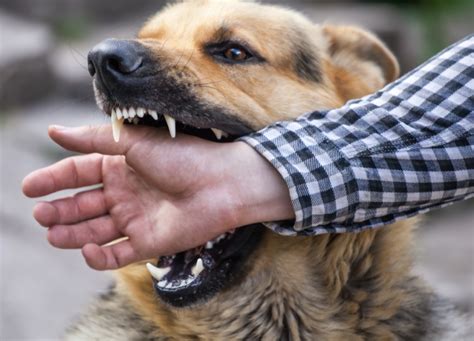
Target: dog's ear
358 55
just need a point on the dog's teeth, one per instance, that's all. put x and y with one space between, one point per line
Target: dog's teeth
119 113
125 113
117 124
182 283
157 273
171 122
140 112
162 283
218 133
132 113
135 120
197 269
209 245
219 238
153 114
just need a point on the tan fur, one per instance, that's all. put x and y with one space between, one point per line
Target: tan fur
329 287
261 95
317 281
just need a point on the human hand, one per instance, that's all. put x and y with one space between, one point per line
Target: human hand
164 195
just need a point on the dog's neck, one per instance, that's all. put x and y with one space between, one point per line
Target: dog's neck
334 286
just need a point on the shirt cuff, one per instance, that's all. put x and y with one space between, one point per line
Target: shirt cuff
321 185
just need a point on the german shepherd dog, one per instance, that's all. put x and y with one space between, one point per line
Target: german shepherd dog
219 69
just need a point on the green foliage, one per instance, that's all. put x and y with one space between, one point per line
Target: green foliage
71 28
434 16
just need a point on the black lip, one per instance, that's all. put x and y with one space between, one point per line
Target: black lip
226 274
188 110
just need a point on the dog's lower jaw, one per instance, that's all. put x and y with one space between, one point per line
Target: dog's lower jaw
334 287
330 287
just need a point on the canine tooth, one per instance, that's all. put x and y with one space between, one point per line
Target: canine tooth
140 112
171 122
132 113
197 269
153 114
219 133
157 273
117 124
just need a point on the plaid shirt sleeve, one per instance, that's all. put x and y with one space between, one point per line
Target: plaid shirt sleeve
402 151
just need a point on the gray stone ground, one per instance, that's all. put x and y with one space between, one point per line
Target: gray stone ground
42 289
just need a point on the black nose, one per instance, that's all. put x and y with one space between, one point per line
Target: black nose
115 58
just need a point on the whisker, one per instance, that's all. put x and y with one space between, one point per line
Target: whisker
189 59
71 50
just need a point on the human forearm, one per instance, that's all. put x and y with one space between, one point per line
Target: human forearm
262 193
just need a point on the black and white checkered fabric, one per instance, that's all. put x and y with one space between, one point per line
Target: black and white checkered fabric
399 152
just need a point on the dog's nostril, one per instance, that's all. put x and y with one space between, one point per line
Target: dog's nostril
91 67
114 58
124 64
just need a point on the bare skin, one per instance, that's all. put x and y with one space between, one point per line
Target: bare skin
165 195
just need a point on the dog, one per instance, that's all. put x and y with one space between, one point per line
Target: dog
219 69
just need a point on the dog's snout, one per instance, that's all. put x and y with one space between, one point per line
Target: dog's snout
115 58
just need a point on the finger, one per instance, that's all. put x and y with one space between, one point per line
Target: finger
100 231
82 206
110 257
98 139
73 172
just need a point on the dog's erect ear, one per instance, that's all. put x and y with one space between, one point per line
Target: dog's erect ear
357 54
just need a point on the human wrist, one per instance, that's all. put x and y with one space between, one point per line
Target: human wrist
261 193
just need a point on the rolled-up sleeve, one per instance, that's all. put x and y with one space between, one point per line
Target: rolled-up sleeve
399 152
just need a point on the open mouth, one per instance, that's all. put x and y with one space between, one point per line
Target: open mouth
141 116
194 275
197 274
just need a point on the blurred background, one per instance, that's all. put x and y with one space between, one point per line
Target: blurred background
44 80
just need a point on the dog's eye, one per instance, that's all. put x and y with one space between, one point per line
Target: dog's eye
236 54
232 53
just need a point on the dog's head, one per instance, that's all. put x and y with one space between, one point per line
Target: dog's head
221 69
